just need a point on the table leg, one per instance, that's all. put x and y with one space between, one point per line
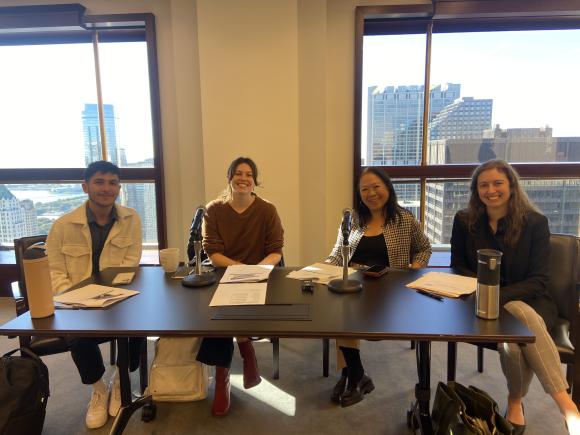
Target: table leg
128 407
423 387
451 360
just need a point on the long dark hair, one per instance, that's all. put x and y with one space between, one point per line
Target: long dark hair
519 204
391 210
227 193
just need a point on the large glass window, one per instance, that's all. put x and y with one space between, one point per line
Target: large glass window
126 97
44 90
501 85
30 209
514 96
71 97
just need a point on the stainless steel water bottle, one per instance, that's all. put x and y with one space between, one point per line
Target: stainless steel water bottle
488 274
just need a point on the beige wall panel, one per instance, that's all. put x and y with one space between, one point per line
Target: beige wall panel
249 80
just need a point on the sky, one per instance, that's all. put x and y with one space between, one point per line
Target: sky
532 76
43 90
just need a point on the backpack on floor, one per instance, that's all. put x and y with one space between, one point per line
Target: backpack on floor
24 393
176 376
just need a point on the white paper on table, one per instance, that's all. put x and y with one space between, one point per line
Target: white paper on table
322 273
94 296
246 273
250 293
445 284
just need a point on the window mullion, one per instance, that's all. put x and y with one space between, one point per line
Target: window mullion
100 111
424 138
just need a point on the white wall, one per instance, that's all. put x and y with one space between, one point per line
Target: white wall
273 80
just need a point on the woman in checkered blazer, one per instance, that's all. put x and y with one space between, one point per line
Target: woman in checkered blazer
385 234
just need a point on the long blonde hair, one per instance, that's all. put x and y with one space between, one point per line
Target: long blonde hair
519 204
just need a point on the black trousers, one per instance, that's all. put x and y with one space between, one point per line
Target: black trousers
87 356
216 351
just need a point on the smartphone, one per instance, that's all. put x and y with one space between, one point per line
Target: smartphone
376 271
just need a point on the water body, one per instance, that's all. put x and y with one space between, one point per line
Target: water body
44 195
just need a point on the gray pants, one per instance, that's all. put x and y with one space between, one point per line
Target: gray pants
520 362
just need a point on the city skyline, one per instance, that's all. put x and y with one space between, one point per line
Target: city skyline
19 217
512 68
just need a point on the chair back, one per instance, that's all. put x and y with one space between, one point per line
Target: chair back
21 245
563 274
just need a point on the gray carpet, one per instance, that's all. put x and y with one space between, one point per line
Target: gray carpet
297 403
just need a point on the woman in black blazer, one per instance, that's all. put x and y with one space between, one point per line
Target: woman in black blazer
500 216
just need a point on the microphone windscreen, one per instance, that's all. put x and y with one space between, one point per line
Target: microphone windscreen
197 218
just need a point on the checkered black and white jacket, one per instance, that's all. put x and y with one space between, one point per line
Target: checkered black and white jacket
406 242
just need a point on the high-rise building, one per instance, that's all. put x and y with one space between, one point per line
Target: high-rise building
467 118
29 215
92 134
141 197
17 218
395 121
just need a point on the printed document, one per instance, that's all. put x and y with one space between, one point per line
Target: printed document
246 273
445 284
322 273
251 293
94 296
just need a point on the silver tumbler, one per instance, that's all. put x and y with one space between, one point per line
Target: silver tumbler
487 294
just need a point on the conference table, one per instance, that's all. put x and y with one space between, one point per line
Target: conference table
384 310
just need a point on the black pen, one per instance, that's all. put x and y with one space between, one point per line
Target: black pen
431 295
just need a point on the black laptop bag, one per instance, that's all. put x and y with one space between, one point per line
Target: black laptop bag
24 393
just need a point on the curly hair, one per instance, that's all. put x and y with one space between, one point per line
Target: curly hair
519 205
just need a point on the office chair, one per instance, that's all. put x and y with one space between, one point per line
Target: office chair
563 283
43 346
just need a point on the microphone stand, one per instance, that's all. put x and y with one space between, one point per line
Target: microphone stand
345 285
198 279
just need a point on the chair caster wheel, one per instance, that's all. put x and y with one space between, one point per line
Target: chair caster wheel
412 422
148 412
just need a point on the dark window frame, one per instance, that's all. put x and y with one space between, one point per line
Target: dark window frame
67 24
455 16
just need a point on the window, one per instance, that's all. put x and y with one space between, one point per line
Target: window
501 83
77 89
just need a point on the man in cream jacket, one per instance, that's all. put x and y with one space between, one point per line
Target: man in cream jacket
96 235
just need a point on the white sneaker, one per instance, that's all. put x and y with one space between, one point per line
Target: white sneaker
97 413
115 400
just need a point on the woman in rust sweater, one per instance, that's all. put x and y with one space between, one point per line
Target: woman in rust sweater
238 228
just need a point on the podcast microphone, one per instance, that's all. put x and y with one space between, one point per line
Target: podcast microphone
346 225
345 285
195 230
197 279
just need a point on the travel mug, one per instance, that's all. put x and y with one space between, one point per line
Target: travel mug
487 293
38 283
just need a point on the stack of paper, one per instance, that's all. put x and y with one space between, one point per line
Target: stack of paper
322 273
445 284
246 273
241 285
94 296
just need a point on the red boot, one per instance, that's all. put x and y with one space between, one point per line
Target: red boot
251 372
221 398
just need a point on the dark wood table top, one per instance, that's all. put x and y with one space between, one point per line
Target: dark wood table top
385 309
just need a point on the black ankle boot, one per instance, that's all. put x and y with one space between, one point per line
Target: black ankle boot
355 393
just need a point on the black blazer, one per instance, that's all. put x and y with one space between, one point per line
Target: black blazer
525 268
